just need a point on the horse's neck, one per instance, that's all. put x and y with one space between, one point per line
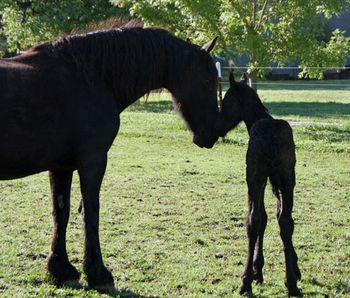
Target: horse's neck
252 118
130 90
138 77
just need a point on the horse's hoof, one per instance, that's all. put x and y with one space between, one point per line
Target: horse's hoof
106 288
61 271
295 292
100 279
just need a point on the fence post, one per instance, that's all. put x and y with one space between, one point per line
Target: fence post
218 67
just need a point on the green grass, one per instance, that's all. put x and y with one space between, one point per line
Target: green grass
172 215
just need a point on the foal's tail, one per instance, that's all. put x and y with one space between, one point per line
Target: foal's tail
276 184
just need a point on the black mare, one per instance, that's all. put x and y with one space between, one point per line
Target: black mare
59 112
271 154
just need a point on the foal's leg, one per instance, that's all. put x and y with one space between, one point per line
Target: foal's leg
258 260
286 223
91 171
59 267
256 186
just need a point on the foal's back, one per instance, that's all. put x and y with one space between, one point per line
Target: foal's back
271 146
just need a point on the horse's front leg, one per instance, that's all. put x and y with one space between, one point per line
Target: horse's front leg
91 171
59 268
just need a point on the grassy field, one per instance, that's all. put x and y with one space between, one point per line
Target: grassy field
172 218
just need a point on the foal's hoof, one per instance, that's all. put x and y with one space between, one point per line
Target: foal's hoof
246 291
248 294
258 277
294 292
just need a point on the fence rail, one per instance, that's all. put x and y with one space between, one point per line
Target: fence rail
297 84
291 81
290 67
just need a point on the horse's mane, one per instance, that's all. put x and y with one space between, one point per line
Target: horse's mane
130 58
110 23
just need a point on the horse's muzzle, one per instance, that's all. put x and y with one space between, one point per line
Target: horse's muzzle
206 142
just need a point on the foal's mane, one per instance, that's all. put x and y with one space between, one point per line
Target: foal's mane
250 98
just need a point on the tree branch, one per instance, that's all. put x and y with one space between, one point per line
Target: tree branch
212 23
258 25
254 14
236 8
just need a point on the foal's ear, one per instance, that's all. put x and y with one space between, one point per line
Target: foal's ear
210 45
244 78
232 79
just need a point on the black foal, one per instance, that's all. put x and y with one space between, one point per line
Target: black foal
271 154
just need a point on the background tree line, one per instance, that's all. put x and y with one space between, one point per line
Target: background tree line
268 31
24 23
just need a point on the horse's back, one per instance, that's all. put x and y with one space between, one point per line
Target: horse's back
34 118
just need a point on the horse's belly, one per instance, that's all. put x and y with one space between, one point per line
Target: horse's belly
20 168
23 155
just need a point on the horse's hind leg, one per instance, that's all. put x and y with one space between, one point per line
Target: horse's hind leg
256 186
284 216
59 268
258 260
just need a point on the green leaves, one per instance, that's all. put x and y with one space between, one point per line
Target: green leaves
329 54
25 23
268 31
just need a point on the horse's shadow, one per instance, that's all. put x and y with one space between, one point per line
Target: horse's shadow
78 286
113 292
310 109
126 294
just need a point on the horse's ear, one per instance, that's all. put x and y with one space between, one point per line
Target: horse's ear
210 45
232 79
244 78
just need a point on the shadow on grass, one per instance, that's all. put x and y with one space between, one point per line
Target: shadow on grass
341 287
114 292
309 109
331 134
305 109
305 86
161 106
126 294
298 85
77 285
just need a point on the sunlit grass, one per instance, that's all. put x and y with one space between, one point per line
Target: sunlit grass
172 215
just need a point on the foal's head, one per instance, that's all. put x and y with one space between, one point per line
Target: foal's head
241 103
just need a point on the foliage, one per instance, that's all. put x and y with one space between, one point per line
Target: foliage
173 215
269 31
25 23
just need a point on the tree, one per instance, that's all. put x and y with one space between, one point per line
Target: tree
269 31
24 23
